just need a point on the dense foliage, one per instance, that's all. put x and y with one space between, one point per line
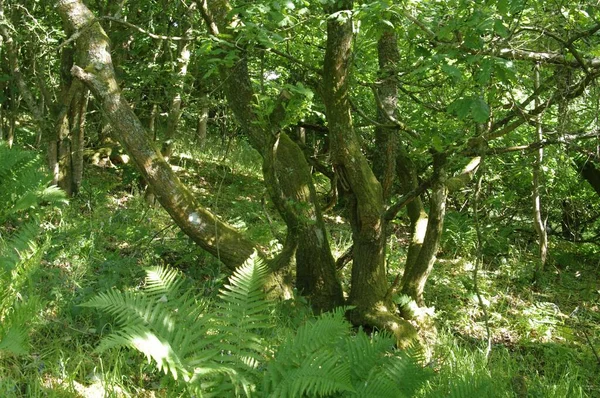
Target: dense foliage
402 195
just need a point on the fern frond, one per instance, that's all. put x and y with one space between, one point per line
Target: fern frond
311 362
379 370
243 311
162 282
21 189
19 246
317 374
243 299
128 308
172 329
13 340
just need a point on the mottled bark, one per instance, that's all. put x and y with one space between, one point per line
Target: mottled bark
77 118
364 192
407 177
415 277
202 126
93 52
286 173
386 139
538 221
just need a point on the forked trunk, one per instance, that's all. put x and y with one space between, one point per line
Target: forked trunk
366 202
415 277
286 173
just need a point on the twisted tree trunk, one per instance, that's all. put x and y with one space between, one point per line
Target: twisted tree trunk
366 201
286 173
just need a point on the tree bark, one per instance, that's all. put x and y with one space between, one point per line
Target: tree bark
386 139
538 220
415 277
202 127
417 215
93 51
364 192
286 173
77 118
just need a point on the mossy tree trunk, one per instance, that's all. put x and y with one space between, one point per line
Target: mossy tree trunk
286 173
415 276
93 53
66 144
407 177
364 192
386 139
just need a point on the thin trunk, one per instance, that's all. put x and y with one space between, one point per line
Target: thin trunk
152 122
65 171
202 226
77 120
202 127
415 276
183 61
539 223
12 116
386 139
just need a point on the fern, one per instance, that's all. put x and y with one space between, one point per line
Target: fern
216 351
225 349
23 188
325 359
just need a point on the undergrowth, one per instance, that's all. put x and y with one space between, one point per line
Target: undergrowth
105 238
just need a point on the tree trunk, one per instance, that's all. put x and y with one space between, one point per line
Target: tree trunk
417 215
415 276
365 195
286 173
386 139
183 61
202 127
202 226
77 118
538 220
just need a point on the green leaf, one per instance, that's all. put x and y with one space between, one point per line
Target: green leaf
453 72
461 107
485 72
500 29
502 6
473 41
480 111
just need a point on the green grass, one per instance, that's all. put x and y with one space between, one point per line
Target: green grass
108 235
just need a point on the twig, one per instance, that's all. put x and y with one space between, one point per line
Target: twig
591 346
479 261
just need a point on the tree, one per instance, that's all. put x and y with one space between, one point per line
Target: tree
405 100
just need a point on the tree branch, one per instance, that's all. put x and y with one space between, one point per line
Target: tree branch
393 210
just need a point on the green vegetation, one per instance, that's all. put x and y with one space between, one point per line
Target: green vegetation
538 343
299 198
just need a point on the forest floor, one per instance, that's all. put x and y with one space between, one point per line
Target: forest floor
543 335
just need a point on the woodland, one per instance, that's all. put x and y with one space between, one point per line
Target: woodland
302 198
